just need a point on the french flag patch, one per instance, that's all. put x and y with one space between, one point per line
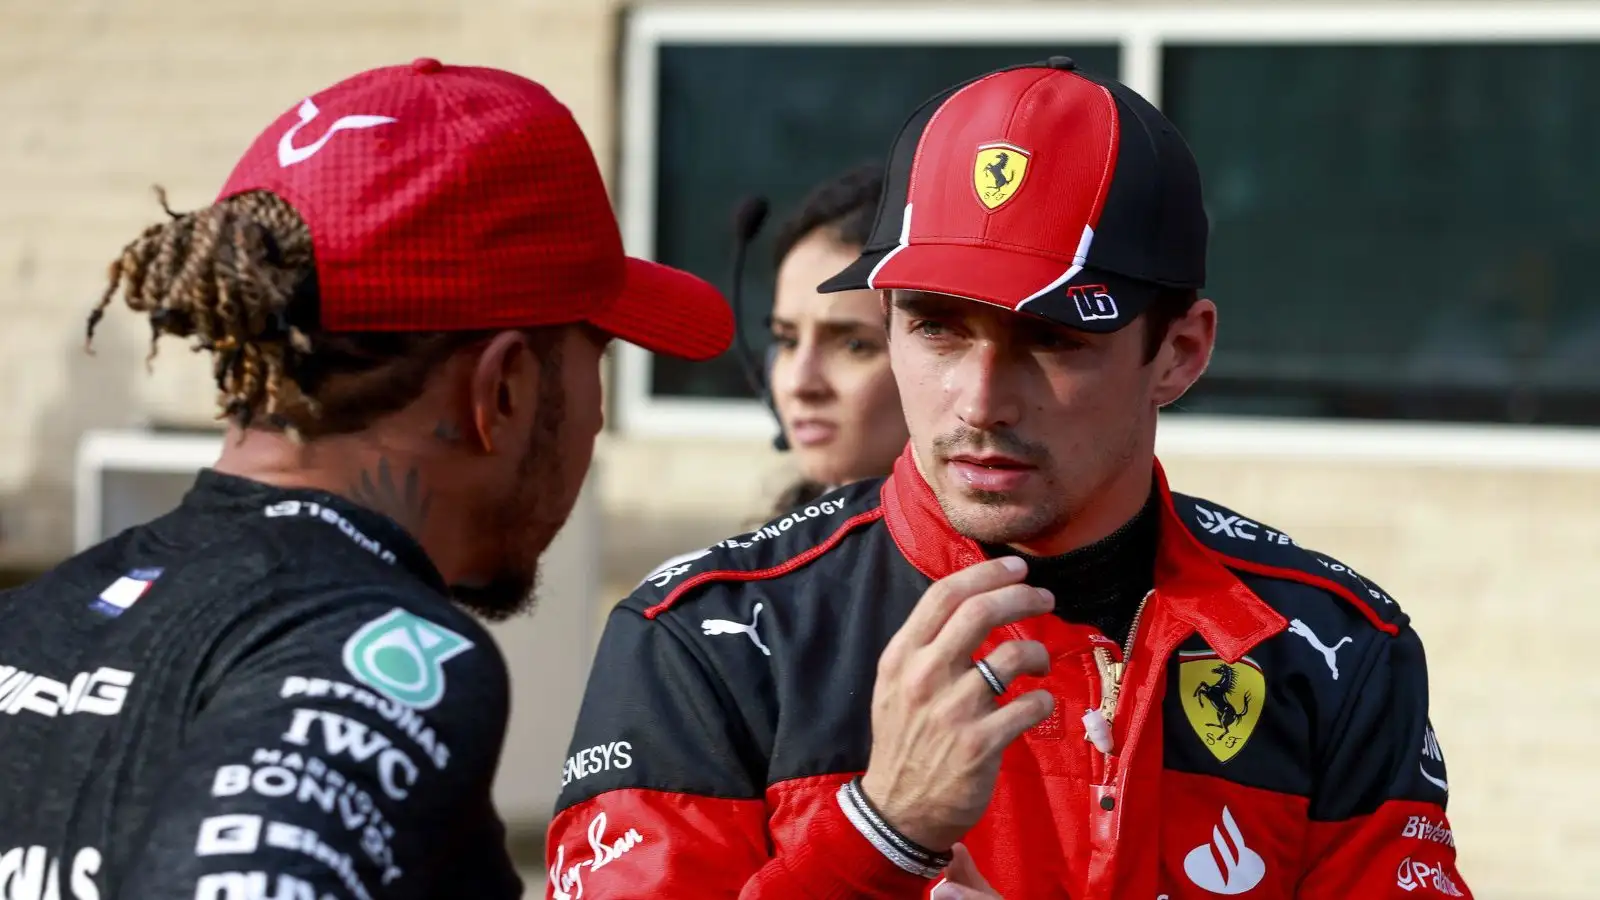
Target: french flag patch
125 591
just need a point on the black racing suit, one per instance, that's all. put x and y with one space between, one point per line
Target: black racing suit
263 694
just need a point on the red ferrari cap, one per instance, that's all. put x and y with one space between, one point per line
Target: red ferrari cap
458 198
1041 189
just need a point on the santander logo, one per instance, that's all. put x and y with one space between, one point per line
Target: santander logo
289 154
1226 865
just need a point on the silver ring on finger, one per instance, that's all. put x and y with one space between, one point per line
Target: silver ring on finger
987 671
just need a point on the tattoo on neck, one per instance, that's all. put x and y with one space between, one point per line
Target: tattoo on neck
447 431
406 501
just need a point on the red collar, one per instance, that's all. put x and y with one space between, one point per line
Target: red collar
1191 583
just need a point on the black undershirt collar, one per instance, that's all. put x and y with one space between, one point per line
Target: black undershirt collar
1103 583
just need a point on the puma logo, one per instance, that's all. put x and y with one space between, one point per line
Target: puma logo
1329 654
289 154
724 626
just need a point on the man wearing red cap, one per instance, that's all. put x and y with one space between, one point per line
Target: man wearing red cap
1021 666
406 287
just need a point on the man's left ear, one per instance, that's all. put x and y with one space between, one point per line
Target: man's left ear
501 392
1186 352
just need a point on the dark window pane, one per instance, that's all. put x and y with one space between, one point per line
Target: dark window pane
737 120
1399 232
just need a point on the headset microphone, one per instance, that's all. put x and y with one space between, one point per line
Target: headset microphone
747 221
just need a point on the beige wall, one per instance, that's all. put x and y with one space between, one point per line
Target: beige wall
99 101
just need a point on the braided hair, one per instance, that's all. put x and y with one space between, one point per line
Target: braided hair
238 279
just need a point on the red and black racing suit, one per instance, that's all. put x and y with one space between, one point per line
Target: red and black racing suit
1271 737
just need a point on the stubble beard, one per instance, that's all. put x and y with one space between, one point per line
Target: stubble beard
999 518
527 522
993 517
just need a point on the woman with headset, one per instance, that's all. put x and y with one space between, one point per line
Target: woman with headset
828 367
827 377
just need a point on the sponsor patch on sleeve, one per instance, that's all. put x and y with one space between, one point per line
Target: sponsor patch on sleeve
402 656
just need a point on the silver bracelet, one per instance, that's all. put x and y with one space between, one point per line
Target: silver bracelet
900 850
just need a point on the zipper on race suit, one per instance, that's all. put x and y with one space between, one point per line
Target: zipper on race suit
1098 722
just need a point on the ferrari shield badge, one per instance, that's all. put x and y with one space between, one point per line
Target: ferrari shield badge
1221 700
998 172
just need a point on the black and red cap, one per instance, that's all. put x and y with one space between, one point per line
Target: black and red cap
1041 189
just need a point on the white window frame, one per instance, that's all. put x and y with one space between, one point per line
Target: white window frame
1140 32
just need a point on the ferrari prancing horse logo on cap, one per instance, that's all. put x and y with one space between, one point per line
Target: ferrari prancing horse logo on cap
998 172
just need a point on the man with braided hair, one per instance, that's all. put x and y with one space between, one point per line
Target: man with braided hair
406 286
